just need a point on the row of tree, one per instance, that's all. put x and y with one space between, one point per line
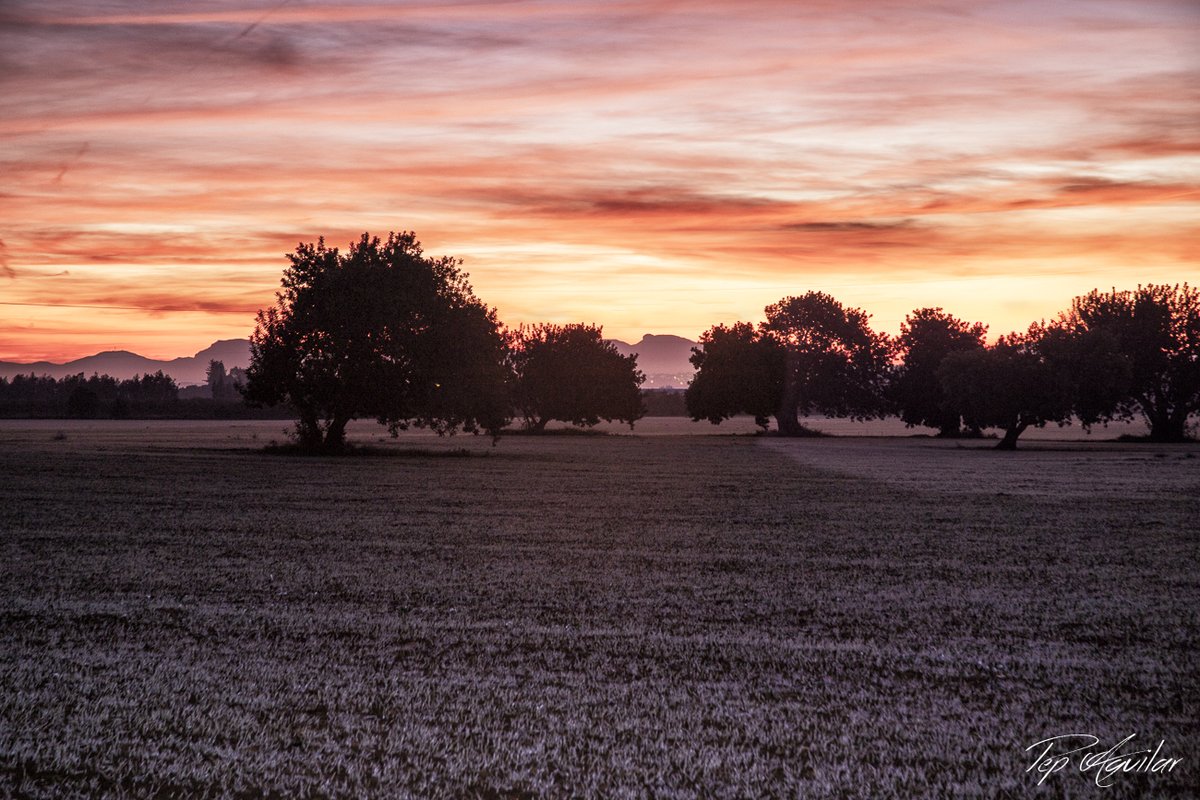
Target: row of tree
88 397
1111 356
142 396
383 331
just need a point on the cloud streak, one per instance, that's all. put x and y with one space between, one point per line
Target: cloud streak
647 165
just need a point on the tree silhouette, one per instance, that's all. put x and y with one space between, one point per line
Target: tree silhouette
1156 329
739 370
1011 385
569 373
927 336
219 383
811 355
834 364
1090 362
152 394
378 331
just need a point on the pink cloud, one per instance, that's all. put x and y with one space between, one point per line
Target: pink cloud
174 156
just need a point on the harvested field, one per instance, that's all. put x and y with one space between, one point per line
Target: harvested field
661 614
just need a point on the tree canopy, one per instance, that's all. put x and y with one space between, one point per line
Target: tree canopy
810 355
1156 331
571 374
834 364
927 337
1012 385
739 370
380 331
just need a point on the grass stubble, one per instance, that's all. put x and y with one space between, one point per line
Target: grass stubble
610 616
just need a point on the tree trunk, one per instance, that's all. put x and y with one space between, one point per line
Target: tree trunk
1168 427
538 424
335 434
788 424
789 402
308 431
1009 442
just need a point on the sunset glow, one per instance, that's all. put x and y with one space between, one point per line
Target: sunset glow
648 166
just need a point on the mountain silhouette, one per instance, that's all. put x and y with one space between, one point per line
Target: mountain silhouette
663 358
122 364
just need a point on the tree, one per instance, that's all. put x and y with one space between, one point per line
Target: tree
569 373
739 370
834 364
811 355
1156 329
927 337
236 378
1090 362
220 382
378 331
1011 385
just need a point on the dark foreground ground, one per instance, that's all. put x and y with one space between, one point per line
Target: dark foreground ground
598 616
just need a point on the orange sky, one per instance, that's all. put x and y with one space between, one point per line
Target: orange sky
650 166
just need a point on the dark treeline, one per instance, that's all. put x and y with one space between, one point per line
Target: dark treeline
153 396
382 331
101 397
385 332
1111 356
88 397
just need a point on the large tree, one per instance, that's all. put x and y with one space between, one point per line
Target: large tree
834 364
571 374
810 355
1011 385
927 336
1156 329
380 331
739 370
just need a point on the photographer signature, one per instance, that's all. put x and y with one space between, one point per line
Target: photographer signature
1082 749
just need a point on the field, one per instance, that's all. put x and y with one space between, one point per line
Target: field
666 614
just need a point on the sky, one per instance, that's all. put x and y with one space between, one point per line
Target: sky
653 167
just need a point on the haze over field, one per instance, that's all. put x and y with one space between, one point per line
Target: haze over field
645 166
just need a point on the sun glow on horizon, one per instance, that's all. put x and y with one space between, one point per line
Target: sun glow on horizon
638 165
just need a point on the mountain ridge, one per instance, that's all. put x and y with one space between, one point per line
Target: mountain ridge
121 364
662 357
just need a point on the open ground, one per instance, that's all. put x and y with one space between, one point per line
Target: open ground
661 614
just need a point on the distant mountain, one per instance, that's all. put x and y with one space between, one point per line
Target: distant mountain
664 359
124 364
